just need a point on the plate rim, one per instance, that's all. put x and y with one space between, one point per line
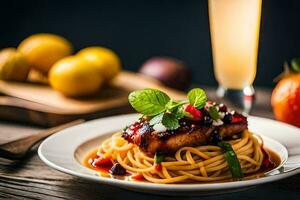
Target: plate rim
155 186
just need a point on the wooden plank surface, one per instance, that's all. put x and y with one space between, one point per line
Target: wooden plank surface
114 95
37 103
32 179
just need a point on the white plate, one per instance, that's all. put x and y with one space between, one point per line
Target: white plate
64 151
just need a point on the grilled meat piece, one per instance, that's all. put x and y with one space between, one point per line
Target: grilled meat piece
190 133
152 142
228 130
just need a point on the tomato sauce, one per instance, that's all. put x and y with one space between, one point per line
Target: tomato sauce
98 163
103 165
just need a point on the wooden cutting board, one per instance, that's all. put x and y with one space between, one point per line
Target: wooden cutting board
38 104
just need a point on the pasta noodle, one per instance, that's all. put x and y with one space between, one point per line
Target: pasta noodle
189 164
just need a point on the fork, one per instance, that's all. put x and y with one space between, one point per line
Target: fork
18 149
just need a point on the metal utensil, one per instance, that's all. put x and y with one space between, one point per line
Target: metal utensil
19 148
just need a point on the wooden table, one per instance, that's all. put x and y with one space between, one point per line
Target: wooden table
31 178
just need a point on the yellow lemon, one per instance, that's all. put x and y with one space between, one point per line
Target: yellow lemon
73 76
13 65
105 59
43 50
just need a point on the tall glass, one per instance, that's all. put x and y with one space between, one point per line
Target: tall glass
234 29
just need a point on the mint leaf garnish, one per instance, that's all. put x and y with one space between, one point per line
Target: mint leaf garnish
157 119
162 109
173 105
170 121
178 112
148 101
197 97
213 112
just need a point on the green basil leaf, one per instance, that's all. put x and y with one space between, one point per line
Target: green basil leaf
157 119
170 121
158 158
148 101
213 112
178 112
232 160
197 97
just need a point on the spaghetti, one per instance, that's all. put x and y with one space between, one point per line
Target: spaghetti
188 164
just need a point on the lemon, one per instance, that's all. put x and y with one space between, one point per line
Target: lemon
105 59
73 76
13 65
43 50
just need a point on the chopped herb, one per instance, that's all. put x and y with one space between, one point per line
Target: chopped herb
232 160
213 112
158 158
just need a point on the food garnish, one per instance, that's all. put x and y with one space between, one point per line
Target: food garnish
157 104
117 169
168 113
102 162
158 159
182 141
232 160
213 112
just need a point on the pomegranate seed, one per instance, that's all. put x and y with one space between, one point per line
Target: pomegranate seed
158 167
237 118
193 111
137 139
135 127
222 108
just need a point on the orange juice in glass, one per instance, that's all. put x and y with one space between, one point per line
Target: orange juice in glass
234 28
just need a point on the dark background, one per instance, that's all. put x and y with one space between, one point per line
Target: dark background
137 30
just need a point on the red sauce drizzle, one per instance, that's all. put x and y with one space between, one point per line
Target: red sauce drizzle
267 163
138 177
101 163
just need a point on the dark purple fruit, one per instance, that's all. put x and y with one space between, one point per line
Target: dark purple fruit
216 137
207 121
117 169
227 118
